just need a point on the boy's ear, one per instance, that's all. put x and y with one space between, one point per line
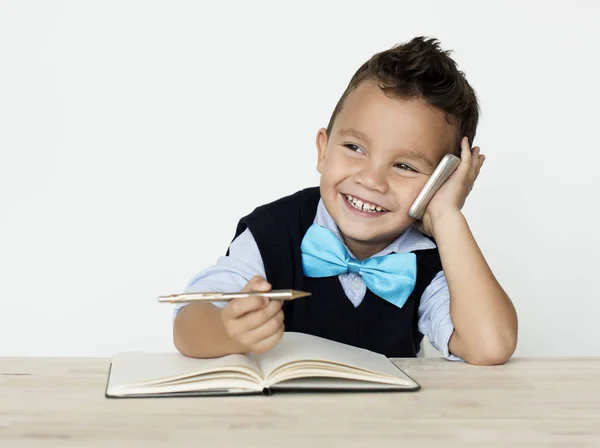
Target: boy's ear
321 148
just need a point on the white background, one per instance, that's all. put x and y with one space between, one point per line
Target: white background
134 135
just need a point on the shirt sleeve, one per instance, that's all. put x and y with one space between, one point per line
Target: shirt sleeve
434 315
231 272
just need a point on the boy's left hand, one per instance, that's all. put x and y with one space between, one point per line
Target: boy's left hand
451 196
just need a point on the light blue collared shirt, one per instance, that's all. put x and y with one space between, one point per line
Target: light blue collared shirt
232 272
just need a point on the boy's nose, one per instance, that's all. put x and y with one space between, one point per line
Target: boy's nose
373 178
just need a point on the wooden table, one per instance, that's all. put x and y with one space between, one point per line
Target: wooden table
56 402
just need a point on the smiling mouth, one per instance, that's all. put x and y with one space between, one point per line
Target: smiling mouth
363 206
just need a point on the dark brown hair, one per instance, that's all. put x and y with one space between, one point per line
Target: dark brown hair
421 69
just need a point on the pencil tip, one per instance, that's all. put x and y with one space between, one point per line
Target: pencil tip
297 294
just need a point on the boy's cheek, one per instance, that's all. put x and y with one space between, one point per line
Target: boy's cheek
331 175
407 192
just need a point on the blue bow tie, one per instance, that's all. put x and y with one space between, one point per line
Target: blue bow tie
392 277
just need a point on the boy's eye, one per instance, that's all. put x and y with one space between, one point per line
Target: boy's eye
354 147
405 167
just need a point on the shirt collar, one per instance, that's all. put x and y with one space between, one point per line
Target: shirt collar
411 239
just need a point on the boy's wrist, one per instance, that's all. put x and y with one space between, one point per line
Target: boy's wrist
445 220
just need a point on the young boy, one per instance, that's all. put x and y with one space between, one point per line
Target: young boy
377 281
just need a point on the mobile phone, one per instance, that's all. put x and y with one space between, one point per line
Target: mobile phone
441 174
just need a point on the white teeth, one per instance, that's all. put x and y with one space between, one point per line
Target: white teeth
363 206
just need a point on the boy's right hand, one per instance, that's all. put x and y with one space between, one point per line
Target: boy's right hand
256 323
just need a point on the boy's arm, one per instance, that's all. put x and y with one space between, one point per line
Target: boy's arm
198 332
203 330
434 316
198 329
484 318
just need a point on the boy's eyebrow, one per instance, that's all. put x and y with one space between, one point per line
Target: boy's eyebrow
417 156
350 132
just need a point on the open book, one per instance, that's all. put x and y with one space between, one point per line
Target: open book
299 362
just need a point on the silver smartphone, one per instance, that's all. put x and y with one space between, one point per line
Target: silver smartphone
441 174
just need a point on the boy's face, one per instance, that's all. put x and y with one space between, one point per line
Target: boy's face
381 152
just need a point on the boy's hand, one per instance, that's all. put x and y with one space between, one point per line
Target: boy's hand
451 197
256 323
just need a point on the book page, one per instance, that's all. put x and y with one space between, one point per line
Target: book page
141 368
199 386
305 349
327 383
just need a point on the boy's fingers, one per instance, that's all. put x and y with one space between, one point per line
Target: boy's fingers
475 157
473 164
266 329
481 160
244 305
465 157
476 162
269 342
257 284
258 318
236 308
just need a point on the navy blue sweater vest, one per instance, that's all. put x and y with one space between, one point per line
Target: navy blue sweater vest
377 325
